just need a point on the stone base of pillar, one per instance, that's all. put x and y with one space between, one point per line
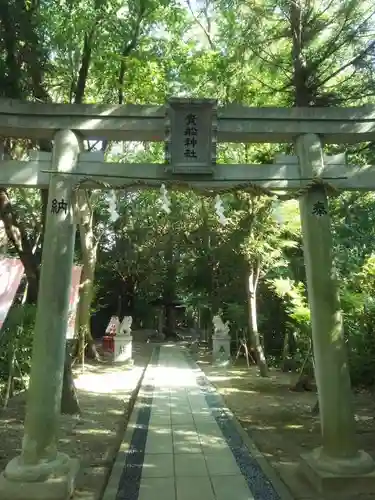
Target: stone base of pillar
347 477
46 481
123 349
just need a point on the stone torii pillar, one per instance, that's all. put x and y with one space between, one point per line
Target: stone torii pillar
40 471
339 455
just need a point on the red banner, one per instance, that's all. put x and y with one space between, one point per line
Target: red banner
11 272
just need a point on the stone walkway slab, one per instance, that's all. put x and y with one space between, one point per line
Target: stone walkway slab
182 443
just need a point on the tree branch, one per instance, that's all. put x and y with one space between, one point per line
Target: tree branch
205 31
12 78
85 65
335 44
352 61
128 47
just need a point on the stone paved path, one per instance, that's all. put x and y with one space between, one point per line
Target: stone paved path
181 443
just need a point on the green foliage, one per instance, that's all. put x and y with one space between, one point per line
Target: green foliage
353 231
16 337
268 53
295 302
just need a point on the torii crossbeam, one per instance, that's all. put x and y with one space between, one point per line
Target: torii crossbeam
281 176
190 130
236 123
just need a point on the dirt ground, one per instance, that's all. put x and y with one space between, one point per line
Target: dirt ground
105 395
280 421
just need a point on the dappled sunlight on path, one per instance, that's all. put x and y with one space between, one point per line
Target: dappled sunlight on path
182 442
110 380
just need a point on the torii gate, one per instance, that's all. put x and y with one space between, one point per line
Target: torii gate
190 129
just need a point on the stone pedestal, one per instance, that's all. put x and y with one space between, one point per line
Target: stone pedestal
123 349
338 477
40 472
52 480
221 347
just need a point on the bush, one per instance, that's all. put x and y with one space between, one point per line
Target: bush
359 329
16 336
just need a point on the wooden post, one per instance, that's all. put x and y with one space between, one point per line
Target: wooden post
339 453
27 477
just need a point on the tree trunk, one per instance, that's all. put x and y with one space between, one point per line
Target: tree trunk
251 285
16 234
169 322
69 398
129 296
284 362
84 307
89 254
303 94
161 318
